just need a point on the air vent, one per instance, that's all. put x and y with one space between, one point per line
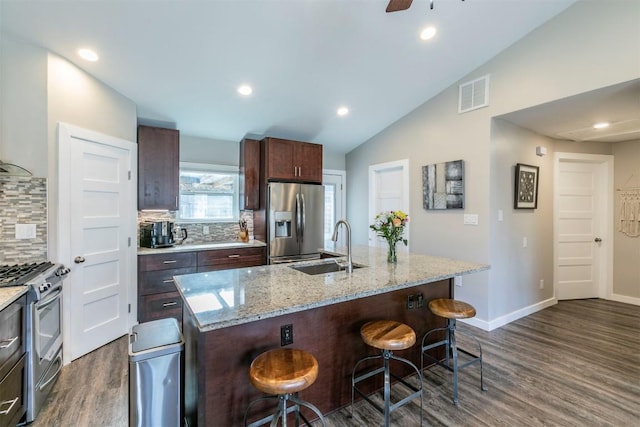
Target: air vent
474 95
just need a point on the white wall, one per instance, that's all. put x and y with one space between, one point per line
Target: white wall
562 58
23 106
626 255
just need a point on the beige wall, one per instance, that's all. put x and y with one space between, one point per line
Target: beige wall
553 62
626 258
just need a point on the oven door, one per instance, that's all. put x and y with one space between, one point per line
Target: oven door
47 331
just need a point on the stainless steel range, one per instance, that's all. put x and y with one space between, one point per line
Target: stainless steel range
44 325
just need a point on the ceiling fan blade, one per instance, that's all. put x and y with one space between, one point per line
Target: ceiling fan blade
397 5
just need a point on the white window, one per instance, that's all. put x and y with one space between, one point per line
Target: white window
208 193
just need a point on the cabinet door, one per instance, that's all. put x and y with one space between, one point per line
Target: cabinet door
13 395
249 174
280 159
308 158
158 168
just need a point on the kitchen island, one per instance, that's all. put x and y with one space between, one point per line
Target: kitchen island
231 316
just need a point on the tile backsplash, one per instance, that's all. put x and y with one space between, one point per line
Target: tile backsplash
23 200
217 231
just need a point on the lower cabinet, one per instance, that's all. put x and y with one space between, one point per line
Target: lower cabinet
12 363
158 297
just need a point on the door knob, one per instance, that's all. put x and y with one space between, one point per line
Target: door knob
597 240
78 260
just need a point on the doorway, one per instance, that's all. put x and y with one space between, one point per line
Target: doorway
583 225
334 182
388 191
97 237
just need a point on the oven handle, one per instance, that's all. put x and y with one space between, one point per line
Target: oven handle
48 301
57 360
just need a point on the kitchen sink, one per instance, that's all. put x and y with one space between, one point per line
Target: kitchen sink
323 268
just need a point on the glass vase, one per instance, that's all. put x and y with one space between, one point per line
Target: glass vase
392 256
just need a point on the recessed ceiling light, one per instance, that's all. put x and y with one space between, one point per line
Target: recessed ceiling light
245 90
601 125
343 111
428 33
88 55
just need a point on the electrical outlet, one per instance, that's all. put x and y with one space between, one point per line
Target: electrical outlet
286 335
205 229
419 301
541 283
410 302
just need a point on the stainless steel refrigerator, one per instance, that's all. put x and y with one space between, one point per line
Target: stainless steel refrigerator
295 221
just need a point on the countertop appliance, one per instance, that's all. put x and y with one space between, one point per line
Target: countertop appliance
44 325
295 221
157 234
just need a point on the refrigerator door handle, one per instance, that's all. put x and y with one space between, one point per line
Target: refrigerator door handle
298 218
304 217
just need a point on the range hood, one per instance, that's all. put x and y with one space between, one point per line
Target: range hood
8 169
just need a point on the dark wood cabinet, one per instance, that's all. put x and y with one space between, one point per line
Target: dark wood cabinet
158 297
12 362
230 258
287 160
158 168
249 174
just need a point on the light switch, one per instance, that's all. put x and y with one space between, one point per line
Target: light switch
470 219
500 215
25 231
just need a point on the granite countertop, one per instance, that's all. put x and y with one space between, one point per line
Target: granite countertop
202 247
220 299
10 294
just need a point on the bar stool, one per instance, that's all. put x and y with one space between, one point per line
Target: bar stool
387 335
282 373
451 310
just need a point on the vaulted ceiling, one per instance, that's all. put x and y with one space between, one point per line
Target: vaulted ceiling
182 61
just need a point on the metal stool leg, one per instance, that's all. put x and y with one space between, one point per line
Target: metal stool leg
454 355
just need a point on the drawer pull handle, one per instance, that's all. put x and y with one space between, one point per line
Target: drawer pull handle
168 281
234 256
9 343
11 403
171 261
169 304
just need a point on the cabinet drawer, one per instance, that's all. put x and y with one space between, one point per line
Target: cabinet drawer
230 258
160 306
166 261
12 327
12 398
154 282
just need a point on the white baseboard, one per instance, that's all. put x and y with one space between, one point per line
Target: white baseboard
625 299
508 318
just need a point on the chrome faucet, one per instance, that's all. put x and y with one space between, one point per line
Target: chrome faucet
335 239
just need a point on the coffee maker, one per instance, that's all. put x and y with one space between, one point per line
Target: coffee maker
157 234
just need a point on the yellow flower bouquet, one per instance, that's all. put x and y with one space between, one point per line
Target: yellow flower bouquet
390 226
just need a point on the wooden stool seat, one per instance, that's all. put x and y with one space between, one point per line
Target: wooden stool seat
388 335
283 371
451 309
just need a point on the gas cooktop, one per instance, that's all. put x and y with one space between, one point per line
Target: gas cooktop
21 274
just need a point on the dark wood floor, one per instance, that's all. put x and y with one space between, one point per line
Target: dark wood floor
574 364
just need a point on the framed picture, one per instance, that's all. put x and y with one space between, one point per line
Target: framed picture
526 187
443 185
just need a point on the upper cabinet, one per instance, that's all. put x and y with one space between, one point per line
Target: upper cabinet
249 174
158 168
288 160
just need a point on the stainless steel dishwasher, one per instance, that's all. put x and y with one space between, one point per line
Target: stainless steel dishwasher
155 374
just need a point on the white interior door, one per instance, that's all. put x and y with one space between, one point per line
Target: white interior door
582 236
388 191
99 205
334 206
